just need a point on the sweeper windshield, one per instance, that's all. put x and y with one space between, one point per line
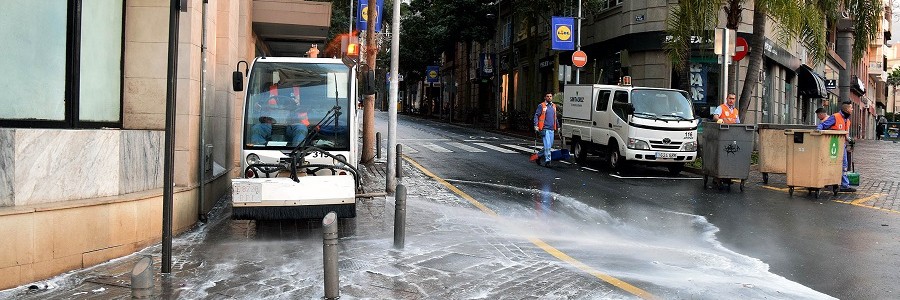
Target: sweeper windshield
289 103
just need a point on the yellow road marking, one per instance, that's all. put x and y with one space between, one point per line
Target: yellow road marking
775 188
864 199
855 202
538 242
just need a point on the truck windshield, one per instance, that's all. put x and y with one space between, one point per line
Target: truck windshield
286 100
661 104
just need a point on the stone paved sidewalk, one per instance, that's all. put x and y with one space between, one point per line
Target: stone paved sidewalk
453 251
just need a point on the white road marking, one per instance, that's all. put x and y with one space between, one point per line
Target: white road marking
464 147
408 149
652 177
495 148
520 148
589 169
436 148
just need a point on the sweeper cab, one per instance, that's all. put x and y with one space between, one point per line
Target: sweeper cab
298 147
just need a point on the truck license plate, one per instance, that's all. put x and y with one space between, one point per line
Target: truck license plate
665 155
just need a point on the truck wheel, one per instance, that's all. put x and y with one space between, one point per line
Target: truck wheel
578 149
675 169
616 160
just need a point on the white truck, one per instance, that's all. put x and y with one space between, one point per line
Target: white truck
298 147
630 124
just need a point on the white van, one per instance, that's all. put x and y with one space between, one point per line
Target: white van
630 124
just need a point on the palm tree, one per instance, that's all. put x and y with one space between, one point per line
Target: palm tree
797 20
893 81
688 20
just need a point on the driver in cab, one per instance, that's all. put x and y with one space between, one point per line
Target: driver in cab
286 106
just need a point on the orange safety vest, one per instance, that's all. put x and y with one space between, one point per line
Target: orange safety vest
728 115
303 118
840 123
273 91
544 115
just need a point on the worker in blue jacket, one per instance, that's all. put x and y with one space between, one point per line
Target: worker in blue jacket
841 121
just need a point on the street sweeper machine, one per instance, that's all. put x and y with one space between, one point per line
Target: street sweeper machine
298 147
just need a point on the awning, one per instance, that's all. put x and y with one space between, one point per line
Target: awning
809 84
290 27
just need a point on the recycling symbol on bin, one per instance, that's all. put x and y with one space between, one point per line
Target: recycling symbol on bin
833 148
732 149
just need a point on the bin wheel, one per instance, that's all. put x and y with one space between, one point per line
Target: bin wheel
705 180
814 192
766 178
835 189
742 185
791 191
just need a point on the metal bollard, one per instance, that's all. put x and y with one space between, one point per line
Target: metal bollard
399 161
142 278
400 217
330 255
378 145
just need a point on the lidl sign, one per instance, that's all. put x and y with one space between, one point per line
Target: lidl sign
563 33
362 18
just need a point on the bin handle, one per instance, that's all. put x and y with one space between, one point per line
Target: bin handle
750 128
724 126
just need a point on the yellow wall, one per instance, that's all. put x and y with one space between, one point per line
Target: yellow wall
42 241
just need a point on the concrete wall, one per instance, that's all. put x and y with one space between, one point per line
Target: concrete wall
75 198
50 239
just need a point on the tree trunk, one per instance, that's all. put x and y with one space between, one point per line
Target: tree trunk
368 149
757 44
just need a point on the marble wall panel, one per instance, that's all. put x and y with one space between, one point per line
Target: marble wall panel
7 166
55 165
142 160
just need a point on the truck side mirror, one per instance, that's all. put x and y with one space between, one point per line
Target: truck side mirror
629 110
237 81
237 78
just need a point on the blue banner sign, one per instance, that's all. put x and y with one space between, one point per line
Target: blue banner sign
362 15
563 32
432 74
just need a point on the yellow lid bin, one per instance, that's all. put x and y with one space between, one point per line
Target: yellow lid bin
814 158
772 147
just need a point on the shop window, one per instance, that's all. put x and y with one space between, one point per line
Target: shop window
62 63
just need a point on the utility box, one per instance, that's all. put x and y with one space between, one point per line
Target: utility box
814 159
772 145
726 150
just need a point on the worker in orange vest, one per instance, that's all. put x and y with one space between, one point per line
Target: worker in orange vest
727 113
841 121
545 123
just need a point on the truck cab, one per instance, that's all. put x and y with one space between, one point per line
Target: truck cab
629 124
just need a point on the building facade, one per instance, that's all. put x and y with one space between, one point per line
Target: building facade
629 38
83 120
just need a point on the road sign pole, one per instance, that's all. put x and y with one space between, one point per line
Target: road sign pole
394 89
578 42
723 78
